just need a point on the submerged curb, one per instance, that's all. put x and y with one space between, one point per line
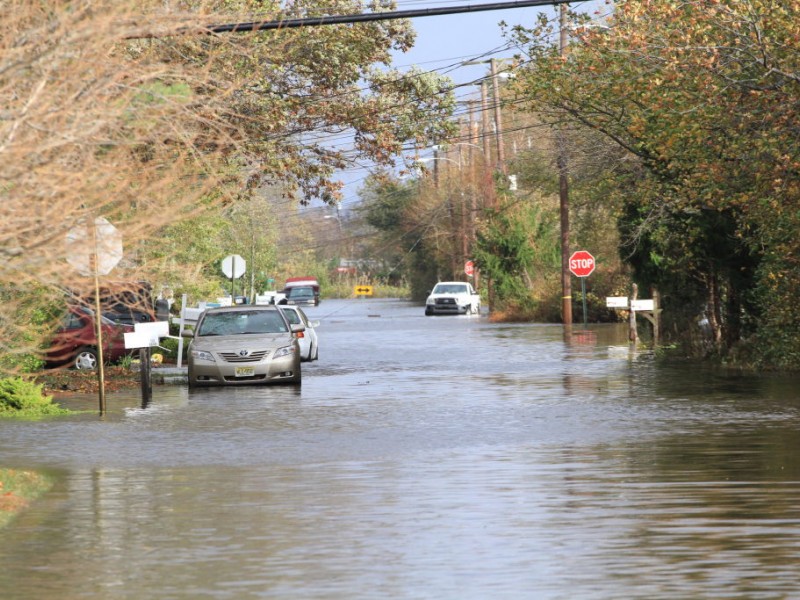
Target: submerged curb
169 375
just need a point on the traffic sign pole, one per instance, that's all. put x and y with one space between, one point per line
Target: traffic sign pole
581 264
583 297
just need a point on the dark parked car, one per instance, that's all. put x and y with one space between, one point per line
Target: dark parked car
74 342
124 302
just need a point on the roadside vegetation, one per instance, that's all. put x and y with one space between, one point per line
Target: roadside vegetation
20 398
676 123
679 127
694 108
193 146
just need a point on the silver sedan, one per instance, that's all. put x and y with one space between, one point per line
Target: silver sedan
308 340
244 345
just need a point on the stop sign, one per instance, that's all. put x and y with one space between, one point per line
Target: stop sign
581 263
469 268
233 266
96 248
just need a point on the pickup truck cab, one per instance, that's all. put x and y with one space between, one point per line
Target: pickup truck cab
301 290
453 298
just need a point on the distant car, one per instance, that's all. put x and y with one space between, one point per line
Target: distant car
301 294
296 290
309 343
244 345
453 298
74 342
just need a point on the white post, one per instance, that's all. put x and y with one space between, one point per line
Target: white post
180 332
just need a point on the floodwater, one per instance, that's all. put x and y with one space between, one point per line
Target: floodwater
423 457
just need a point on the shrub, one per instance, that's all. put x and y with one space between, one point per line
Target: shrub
21 398
170 349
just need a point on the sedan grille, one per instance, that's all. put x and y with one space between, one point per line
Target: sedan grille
244 356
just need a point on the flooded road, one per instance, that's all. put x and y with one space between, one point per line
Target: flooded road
423 457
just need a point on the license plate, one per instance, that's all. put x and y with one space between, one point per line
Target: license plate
245 371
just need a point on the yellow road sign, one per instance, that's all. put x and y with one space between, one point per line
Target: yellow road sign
363 290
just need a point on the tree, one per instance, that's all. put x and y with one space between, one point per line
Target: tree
703 99
131 112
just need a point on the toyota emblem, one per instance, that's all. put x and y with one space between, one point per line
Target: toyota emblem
243 352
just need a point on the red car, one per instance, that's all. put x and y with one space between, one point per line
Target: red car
74 342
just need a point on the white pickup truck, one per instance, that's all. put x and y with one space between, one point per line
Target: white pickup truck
453 298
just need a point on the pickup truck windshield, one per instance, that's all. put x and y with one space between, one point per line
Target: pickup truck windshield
450 288
300 292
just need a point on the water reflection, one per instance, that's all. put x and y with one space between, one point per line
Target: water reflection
423 458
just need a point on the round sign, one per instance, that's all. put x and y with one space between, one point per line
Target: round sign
233 266
581 263
469 268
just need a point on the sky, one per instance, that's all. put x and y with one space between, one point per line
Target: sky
444 42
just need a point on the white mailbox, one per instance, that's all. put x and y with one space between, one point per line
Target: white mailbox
617 301
145 335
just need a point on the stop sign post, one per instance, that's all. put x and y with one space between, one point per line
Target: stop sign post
233 266
95 249
581 264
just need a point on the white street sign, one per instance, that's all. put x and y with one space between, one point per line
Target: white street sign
102 241
642 305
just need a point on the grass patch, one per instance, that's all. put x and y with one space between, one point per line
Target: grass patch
18 489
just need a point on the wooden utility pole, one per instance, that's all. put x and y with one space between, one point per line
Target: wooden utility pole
473 204
498 117
473 141
491 197
563 195
487 150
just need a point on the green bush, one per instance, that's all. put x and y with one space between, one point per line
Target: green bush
21 398
170 349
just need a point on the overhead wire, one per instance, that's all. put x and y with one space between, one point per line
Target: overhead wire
341 141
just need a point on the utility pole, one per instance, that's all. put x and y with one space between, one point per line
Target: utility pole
464 233
473 204
498 119
489 179
486 146
473 139
563 195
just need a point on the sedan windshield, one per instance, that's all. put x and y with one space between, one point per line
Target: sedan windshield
243 322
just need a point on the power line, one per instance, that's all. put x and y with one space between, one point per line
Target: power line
381 16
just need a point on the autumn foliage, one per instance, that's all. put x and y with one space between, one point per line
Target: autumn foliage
133 112
703 99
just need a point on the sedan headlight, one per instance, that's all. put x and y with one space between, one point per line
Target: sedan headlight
202 355
285 351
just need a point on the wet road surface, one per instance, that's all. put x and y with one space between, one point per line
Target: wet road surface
423 457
